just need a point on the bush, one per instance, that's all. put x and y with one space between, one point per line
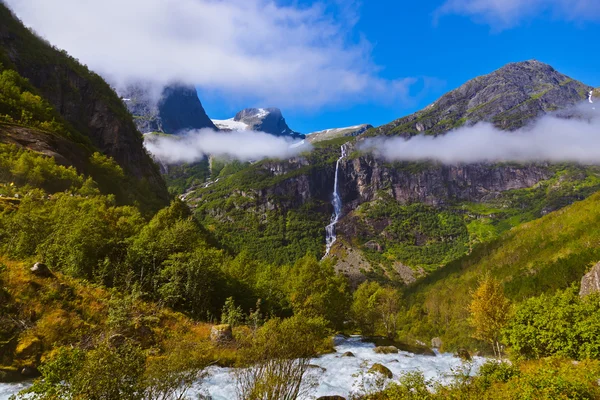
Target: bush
562 324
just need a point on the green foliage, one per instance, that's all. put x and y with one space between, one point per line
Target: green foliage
25 169
317 291
416 234
231 314
375 309
542 256
91 375
19 105
562 324
542 380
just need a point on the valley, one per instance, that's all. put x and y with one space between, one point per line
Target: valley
334 270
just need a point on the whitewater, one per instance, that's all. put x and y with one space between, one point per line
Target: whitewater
334 374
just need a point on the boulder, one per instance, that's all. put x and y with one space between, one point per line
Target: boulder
30 372
29 348
348 354
463 354
221 334
41 270
331 398
386 350
590 283
381 369
436 343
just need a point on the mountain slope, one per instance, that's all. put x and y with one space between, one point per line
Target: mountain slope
177 109
541 256
509 98
268 120
92 113
401 219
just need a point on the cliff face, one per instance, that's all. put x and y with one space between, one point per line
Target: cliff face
432 184
177 109
81 97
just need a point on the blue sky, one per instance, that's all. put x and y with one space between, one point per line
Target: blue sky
327 63
407 42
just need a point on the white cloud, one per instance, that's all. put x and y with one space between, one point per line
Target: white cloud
503 14
549 139
241 145
283 55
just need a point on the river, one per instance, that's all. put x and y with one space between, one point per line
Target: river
336 375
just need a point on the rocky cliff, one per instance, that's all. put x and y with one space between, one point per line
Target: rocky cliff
177 109
81 97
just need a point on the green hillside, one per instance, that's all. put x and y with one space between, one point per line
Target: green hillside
541 256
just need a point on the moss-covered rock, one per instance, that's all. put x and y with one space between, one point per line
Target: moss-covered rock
381 369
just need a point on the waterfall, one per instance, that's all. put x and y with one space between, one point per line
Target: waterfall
336 202
591 96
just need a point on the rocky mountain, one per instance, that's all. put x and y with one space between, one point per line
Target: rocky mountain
402 219
94 117
178 109
334 133
509 98
268 120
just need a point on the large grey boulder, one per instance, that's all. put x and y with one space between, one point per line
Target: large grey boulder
590 283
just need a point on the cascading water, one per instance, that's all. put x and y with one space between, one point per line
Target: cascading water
336 202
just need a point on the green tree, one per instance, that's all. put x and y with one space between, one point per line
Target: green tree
231 314
316 290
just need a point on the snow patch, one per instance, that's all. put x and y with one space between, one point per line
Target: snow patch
230 124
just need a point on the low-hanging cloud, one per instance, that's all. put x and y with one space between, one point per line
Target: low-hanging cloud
289 55
241 145
551 139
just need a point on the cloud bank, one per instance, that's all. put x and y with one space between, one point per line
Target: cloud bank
293 55
504 14
241 145
550 139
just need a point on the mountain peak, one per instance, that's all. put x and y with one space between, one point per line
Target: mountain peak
178 109
269 120
509 98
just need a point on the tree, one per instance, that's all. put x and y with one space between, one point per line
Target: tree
387 306
317 291
490 311
232 314
374 306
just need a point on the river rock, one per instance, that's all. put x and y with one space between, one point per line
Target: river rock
463 354
41 270
331 398
348 354
30 372
386 350
221 334
590 283
381 369
436 343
